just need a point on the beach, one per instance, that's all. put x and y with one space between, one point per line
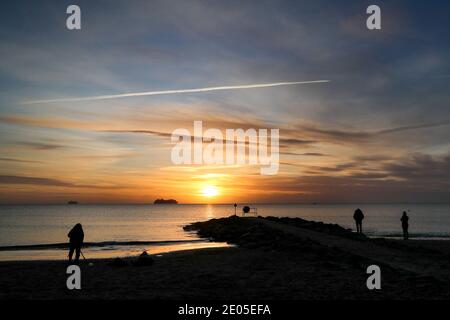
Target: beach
272 259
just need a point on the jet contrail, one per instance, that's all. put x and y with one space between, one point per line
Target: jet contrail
154 93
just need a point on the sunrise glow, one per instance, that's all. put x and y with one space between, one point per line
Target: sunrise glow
210 191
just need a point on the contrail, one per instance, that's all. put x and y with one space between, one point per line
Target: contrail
155 93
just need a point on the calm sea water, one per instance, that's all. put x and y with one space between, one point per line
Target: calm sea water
29 225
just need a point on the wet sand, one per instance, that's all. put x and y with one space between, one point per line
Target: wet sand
282 259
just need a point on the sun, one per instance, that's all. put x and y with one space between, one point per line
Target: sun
210 191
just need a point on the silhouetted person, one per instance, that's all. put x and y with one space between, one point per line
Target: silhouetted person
404 219
359 217
76 236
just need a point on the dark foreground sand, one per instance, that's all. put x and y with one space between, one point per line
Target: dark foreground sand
275 259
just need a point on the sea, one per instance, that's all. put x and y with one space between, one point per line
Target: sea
37 232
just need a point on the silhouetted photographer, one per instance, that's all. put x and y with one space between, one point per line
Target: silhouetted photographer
76 236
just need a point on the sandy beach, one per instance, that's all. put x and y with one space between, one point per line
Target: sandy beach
274 258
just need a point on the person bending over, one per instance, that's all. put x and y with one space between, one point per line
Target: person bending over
76 236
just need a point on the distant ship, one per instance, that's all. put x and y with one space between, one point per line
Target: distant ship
162 201
72 202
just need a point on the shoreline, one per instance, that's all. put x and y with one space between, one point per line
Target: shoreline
85 263
65 245
101 244
433 243
59 253
274 259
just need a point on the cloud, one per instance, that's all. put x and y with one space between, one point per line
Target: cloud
414 127
47 122
422 169
284 142
39 181
308 154
40 146
358 136
6 179
417 178
18 160
373 158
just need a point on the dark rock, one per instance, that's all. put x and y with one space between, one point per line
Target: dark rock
144 260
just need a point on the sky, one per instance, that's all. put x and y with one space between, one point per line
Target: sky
378 131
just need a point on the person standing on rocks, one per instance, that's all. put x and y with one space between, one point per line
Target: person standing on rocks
358 216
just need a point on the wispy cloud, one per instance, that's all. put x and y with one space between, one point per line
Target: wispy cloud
40 146
18 160
9 179
176 91
413 127
308 154
284 142
343 135
39 181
